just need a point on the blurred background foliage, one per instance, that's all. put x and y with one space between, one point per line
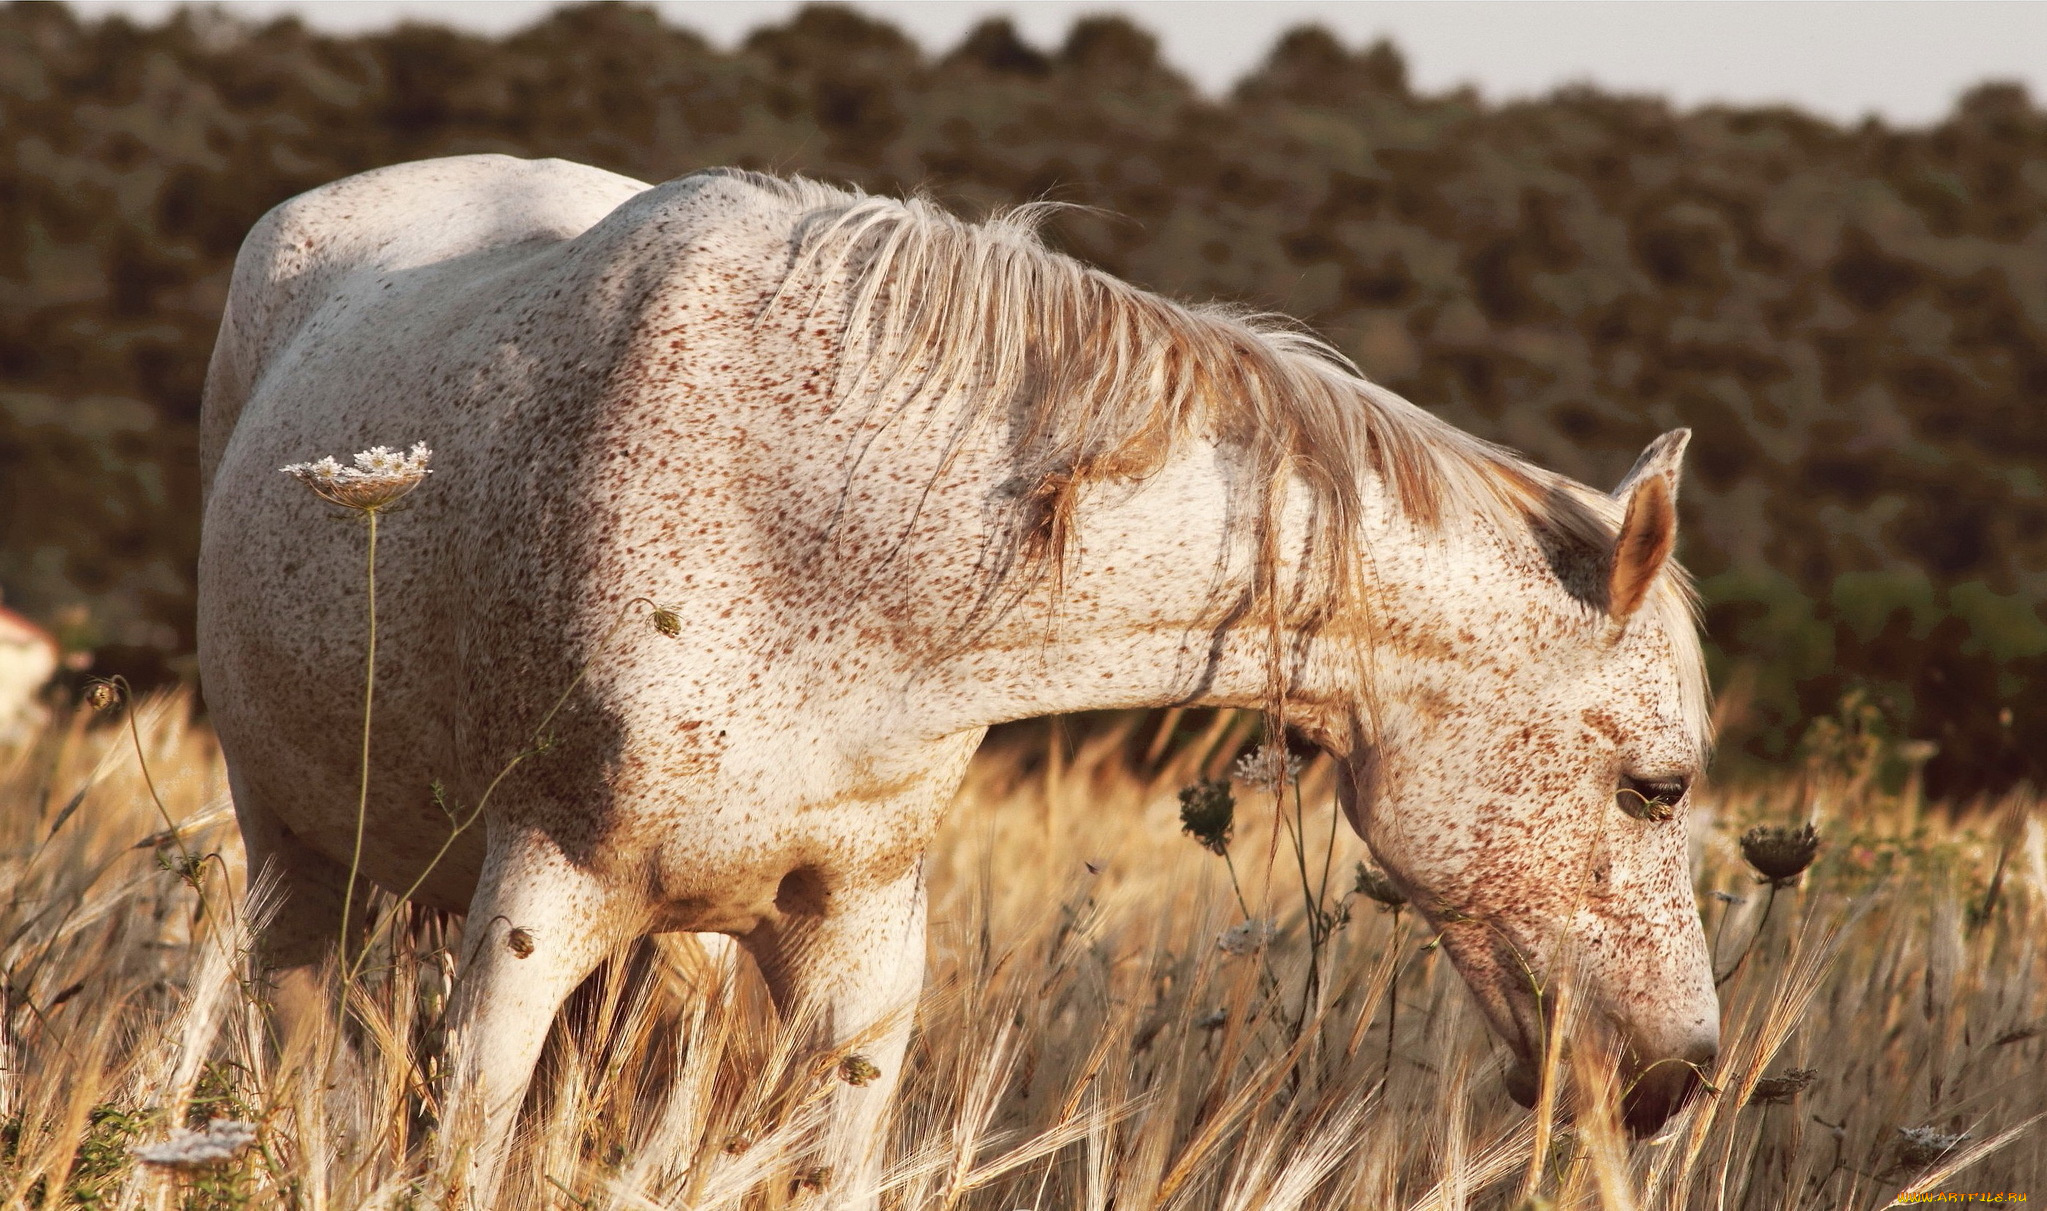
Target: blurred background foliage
1852 320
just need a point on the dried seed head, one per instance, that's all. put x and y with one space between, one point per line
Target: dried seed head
1247 937
1782 1087
667 621
1268 768
221 1140
379 478
519 941
1206 811
1778 853
858 1070
811 1180
191 868
101 695
1653 806
1919 1146
1373 884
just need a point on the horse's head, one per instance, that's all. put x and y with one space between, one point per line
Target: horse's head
1530 781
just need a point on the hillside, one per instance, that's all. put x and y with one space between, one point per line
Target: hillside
1853 320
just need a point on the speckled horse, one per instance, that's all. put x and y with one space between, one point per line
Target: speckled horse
900 477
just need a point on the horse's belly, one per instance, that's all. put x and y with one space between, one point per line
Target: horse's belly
304 779
282 664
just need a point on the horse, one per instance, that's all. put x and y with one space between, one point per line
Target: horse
890 477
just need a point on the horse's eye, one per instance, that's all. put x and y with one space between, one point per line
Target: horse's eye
1650 798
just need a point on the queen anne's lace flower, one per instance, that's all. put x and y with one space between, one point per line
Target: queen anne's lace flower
1925 1145
1261 769
1786 1085
1247 937
219 1141
378 479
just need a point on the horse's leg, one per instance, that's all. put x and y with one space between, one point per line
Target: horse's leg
537 925
851 964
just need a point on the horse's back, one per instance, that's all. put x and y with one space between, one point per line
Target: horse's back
301 254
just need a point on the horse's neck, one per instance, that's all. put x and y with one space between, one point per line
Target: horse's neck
1150 611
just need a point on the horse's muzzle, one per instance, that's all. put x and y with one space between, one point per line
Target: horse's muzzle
1663 1089
1652 1095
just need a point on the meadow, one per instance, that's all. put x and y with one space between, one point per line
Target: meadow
1085 1041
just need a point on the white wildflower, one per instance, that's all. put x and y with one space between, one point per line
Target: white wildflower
1925 1145
378 479
1248 937
220 1140
1261 768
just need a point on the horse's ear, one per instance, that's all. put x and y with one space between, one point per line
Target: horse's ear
1649 527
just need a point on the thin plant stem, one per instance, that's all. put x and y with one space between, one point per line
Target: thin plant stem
1297 832
1231 865
1545 1088
1264 955
1754 935
188 868
362 799
1329 853
1393 1002
1325 917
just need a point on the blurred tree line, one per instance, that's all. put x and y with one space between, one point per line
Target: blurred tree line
1853 320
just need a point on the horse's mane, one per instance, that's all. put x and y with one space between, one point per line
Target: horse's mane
1099 381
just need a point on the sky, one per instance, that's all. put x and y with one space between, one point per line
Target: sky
1902 60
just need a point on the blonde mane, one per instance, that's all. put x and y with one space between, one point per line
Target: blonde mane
1100 381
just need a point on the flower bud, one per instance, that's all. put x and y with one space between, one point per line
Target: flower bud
1373 884
1778 853
858 1070
1206 811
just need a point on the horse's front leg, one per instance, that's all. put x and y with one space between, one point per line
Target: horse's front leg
537 925
849 963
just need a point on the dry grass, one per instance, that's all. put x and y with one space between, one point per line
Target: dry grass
1084 1043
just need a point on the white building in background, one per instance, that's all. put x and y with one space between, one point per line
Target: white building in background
28 658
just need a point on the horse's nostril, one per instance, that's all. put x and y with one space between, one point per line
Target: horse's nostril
1659 1093
1521 1083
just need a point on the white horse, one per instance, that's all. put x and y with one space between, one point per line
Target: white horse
900 477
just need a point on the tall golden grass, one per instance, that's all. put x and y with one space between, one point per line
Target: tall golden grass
1083 1043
